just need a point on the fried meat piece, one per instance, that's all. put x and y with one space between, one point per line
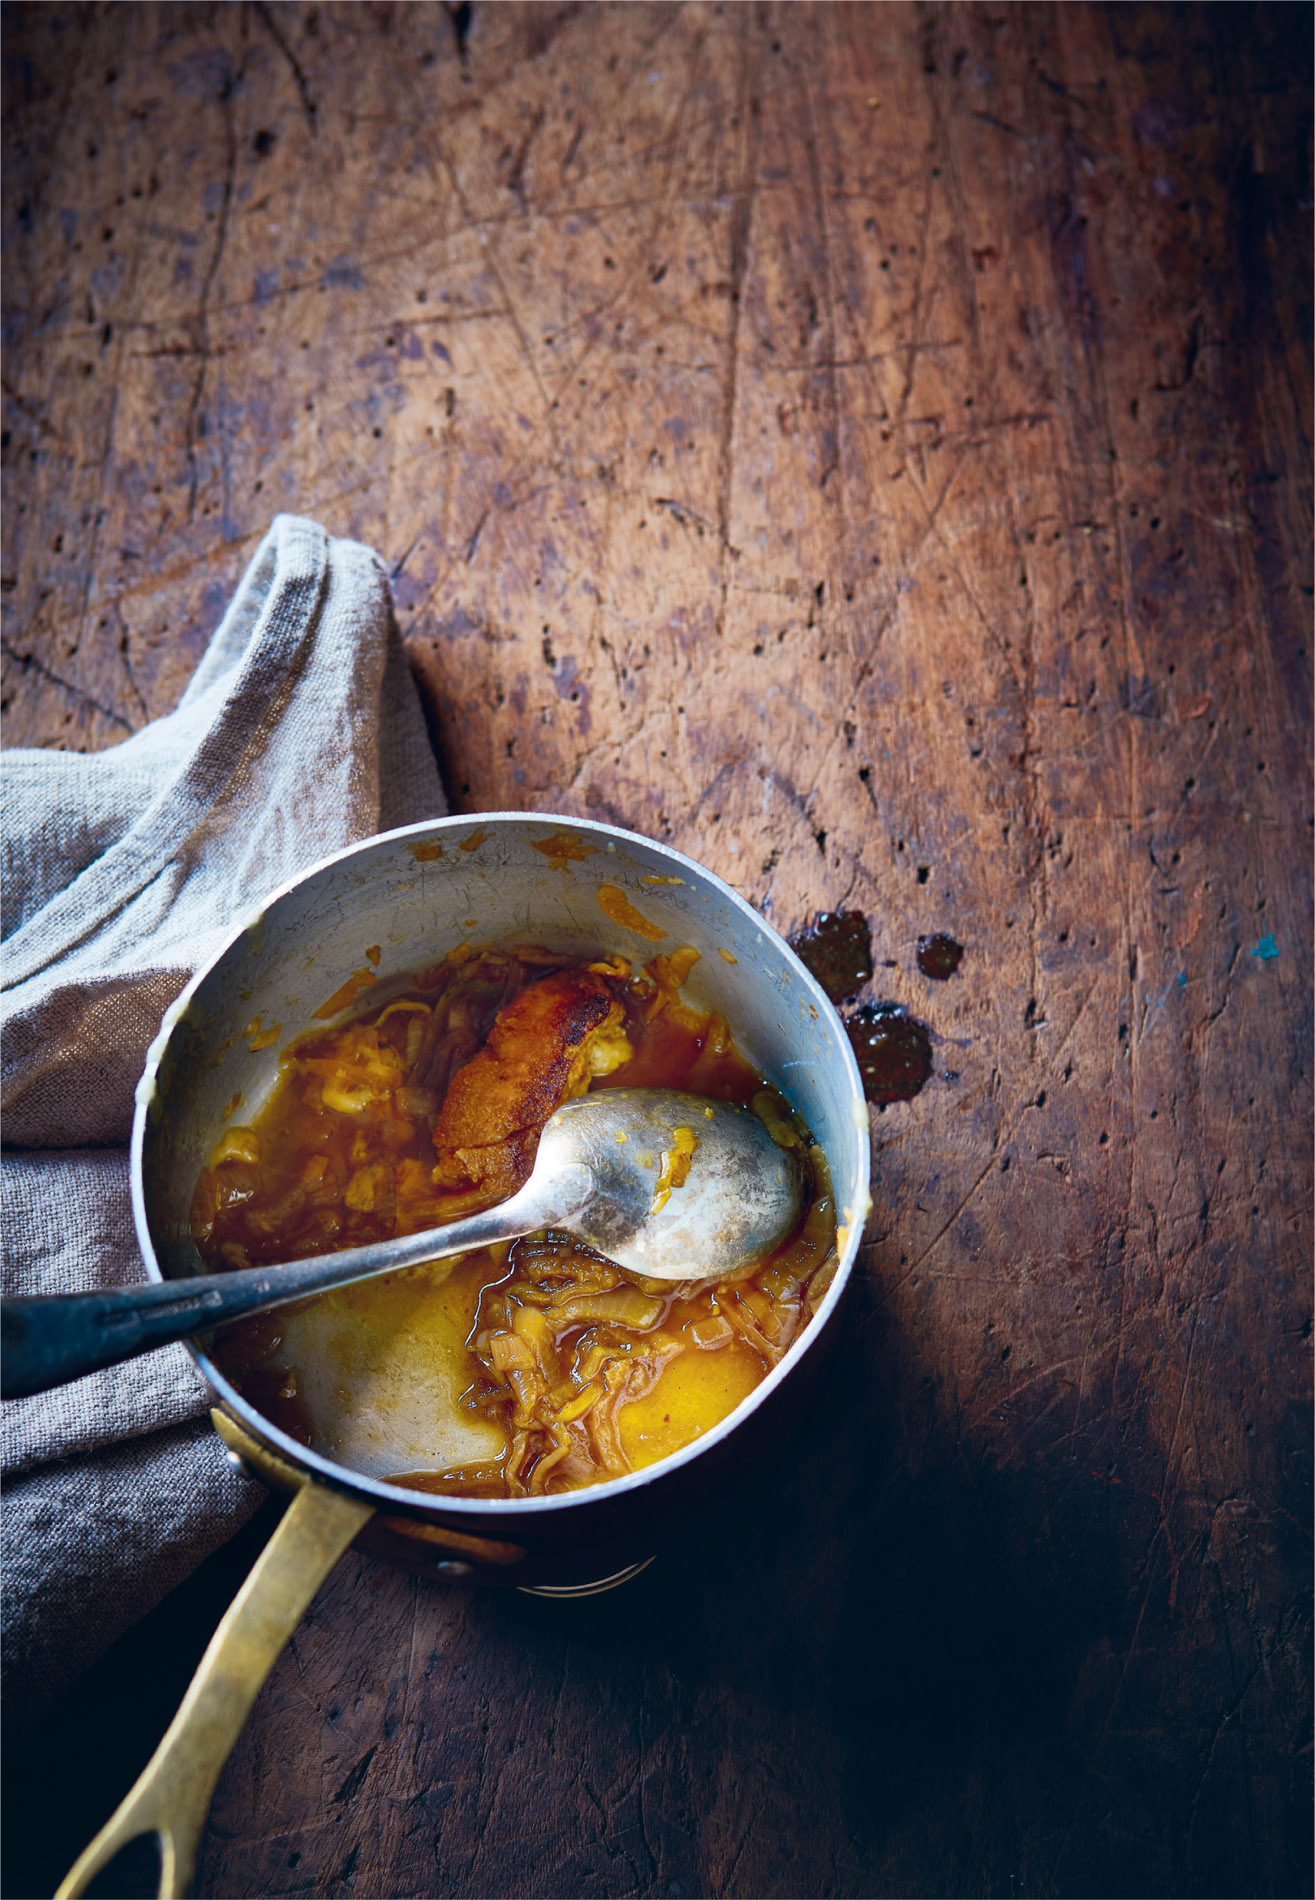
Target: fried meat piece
543 1049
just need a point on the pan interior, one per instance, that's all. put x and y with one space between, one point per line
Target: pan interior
381 1366
381 1371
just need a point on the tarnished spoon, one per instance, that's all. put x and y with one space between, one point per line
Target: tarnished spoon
666 1184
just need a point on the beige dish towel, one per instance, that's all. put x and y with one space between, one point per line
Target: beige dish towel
123 872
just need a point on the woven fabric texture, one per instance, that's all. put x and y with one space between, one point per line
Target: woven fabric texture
123 872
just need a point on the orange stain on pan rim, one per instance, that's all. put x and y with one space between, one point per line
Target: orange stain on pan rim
562 850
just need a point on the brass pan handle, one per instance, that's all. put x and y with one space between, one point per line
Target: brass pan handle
172 1794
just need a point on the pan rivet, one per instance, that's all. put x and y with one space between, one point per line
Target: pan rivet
453 1567
239 1463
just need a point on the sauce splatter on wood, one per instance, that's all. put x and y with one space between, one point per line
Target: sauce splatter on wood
893 1050
837 947
939 956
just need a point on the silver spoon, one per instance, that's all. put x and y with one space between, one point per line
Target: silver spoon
609 1170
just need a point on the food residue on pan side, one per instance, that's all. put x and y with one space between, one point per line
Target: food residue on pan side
617 907
562 850
347 993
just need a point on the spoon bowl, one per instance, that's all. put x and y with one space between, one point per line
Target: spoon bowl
679 1187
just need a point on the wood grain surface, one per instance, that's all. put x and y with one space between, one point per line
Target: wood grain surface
868 447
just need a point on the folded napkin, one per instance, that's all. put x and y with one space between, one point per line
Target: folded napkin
123 872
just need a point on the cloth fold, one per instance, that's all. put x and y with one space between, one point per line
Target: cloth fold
123 872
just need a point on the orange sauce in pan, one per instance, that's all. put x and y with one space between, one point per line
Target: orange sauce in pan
522 1369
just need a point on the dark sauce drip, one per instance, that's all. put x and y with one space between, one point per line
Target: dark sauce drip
893 1050
939 956
836 946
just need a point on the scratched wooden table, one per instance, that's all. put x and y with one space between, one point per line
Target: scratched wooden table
869 448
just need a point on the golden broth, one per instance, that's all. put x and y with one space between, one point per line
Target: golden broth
529 1368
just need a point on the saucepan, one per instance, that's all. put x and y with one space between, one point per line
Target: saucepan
404 900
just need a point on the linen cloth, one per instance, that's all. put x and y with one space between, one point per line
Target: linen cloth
123 872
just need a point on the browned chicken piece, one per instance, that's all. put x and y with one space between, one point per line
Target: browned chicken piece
543 1048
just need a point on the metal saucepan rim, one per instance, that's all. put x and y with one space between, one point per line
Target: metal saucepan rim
480 1508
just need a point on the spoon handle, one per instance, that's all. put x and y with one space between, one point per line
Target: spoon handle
48 1339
